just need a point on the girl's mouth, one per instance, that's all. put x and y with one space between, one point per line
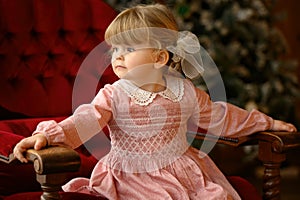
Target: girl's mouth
120 66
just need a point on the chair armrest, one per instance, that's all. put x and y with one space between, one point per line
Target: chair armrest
281 141
54 159
51 165
272 147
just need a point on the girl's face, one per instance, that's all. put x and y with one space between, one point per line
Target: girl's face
132 62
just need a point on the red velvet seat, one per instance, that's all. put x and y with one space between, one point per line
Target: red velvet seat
42 46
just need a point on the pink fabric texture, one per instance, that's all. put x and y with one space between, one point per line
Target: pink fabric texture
150 157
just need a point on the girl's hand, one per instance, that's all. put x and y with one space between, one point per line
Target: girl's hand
279 125
37 141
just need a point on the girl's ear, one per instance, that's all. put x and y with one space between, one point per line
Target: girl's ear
162 58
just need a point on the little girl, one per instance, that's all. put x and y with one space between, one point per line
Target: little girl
148 112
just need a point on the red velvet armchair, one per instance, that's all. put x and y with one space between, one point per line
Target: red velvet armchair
43 44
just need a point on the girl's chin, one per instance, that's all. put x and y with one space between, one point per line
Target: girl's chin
120 74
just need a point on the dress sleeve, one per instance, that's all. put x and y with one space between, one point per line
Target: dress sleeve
225 119
86 122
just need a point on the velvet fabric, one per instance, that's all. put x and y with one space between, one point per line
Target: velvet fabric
42 46
7 147
17 177
244 188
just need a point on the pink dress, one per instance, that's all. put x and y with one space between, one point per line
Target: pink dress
150 157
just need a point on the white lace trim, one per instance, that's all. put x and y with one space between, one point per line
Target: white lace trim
174 91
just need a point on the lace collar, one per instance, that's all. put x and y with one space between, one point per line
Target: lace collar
174 91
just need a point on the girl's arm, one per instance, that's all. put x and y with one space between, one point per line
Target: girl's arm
87 121
221 118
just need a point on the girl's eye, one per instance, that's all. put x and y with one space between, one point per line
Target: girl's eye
115 49
130 49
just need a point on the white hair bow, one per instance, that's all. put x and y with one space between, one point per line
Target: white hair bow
187 51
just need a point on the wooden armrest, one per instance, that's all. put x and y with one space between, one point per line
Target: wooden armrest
272 146
51 165
281 141
55 159
235 142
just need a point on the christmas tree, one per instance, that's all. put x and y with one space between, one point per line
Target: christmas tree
242 39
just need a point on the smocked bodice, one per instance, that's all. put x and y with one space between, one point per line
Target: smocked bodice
148 132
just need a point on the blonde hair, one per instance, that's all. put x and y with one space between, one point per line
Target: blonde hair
141 16
134 24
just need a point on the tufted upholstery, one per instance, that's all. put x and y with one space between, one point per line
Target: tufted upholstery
42 45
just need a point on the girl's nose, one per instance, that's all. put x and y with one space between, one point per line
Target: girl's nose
120 57
117 56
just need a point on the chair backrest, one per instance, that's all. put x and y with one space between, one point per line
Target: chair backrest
42 45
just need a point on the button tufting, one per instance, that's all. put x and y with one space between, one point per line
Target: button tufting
40 78
50 55
91 30
9 35
70 78
34 33
24 57
62 33
13 80
42 46
79 53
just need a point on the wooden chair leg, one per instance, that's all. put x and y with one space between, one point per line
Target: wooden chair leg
273 148
271 179
51 185
272 162
51 165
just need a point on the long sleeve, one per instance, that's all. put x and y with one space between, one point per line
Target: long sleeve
87 121
221 118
